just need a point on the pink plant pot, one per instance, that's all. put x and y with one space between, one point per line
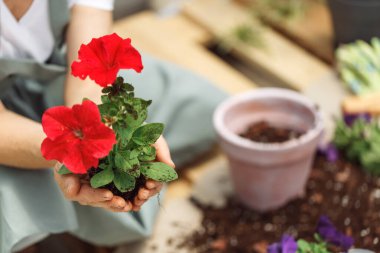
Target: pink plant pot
267 176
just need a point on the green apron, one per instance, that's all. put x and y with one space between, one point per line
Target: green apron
31 204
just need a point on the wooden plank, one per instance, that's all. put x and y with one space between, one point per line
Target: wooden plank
279 58
312 31
363 104
178 40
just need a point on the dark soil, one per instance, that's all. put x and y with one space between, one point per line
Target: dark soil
128 196
265 133
340 190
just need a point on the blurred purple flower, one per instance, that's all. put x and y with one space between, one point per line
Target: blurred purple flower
330 152
330 234
287 245
349 119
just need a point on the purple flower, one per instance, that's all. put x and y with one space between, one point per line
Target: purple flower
330 234
287 245
330 151
349 119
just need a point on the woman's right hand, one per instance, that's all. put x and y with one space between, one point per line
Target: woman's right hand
75 188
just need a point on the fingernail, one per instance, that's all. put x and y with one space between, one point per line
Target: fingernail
118 206
173 164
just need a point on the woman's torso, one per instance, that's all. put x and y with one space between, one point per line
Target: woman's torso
27 34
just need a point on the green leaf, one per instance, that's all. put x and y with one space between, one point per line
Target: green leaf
102 178
342 134
103 166
135 171
124 182
147 154
127 87
311 247
108 109
134 154
148 134
135 120
64 170
105 99
107 89
124 134
122 161
159 172
303 246
126 161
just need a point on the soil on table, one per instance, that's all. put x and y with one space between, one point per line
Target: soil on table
265 133
128 196
340 190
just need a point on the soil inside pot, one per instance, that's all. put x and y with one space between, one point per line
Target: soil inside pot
340 190
128 196
265 133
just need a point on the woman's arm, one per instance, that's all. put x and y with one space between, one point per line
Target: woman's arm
85 23
20 137
20 140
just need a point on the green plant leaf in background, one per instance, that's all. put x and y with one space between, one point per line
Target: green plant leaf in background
159 172
359 66
360 143
319 246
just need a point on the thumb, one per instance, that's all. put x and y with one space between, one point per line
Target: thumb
163 152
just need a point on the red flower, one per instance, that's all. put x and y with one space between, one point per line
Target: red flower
76 136
102 59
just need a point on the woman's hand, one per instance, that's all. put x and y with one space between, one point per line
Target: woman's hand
75 188
152 187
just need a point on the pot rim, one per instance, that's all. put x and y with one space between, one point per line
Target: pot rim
267 93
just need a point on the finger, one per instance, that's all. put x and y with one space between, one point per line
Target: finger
143 194
89 195
151 184
137 208
163 152
69 184
117 203
111 206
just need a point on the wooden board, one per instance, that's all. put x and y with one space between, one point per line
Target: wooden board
312 31
180 41
279 58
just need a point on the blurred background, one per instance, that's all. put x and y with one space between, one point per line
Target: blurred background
310 46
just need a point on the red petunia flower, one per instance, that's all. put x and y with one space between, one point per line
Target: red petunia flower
76 136
102 59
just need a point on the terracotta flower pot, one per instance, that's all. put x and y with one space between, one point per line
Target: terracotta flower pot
266 176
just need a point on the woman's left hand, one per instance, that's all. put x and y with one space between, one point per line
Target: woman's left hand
153 187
